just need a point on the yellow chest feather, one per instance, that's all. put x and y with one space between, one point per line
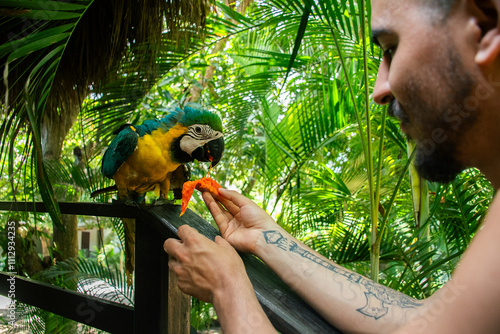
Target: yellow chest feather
152 158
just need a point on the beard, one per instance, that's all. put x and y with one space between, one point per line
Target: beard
439 123
438 166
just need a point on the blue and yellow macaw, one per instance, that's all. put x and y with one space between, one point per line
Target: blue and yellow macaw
153 155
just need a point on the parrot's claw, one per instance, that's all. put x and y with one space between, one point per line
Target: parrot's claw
126 201
162 201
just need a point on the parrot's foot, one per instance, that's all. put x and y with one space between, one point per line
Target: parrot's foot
126 201
162 201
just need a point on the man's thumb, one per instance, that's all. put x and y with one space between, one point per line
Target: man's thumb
222 242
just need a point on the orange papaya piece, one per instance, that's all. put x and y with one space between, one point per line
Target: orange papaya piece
202 184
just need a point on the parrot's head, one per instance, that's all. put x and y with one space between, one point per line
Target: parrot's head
204 140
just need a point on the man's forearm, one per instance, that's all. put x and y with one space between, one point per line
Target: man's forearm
347 299
239 311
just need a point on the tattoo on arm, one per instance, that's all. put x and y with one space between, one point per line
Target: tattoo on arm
378 297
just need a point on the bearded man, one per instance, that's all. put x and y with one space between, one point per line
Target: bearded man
438 74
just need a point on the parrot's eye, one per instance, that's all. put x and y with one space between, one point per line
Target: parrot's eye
197 129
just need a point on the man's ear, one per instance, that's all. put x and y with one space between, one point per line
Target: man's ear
489 47
486 13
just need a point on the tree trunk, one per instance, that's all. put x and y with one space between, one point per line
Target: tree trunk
66 242
54 129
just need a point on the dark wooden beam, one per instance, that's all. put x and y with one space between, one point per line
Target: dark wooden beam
83 209
151 282
92 311
286 310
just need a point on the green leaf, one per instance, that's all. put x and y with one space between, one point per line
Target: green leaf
48 15
45 5
36 45
300 35
46 35
234 14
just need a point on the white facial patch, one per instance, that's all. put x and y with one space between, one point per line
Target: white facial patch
197 136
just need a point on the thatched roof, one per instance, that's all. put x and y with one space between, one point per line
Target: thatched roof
102 40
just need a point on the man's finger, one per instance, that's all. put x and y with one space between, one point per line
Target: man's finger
208 198
175 266
172 262
221 216
219 213
226 199
222 242
170 245
234 197
186 231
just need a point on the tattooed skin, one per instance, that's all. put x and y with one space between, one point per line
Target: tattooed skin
377 295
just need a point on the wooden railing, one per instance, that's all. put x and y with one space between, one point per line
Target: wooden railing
151 312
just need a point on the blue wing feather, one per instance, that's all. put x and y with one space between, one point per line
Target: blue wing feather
147 127
121 147
125 142
172 118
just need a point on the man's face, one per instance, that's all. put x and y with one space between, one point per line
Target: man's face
425 82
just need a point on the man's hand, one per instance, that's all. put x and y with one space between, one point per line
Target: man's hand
240 220
204 268
214 272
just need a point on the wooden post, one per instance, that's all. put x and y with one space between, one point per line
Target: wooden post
151 282
160 307
179 307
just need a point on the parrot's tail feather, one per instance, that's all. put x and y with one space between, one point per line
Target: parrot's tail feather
103 191
129 229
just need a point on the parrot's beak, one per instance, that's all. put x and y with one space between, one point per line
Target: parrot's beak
215 150
211 151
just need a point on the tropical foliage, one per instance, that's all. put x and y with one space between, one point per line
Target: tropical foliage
292 81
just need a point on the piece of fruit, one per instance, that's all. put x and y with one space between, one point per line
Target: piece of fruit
188 188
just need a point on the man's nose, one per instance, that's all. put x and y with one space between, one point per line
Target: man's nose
382 93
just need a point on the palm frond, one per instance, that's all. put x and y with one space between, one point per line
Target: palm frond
31 56
91 277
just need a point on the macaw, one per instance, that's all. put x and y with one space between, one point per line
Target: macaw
154 155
